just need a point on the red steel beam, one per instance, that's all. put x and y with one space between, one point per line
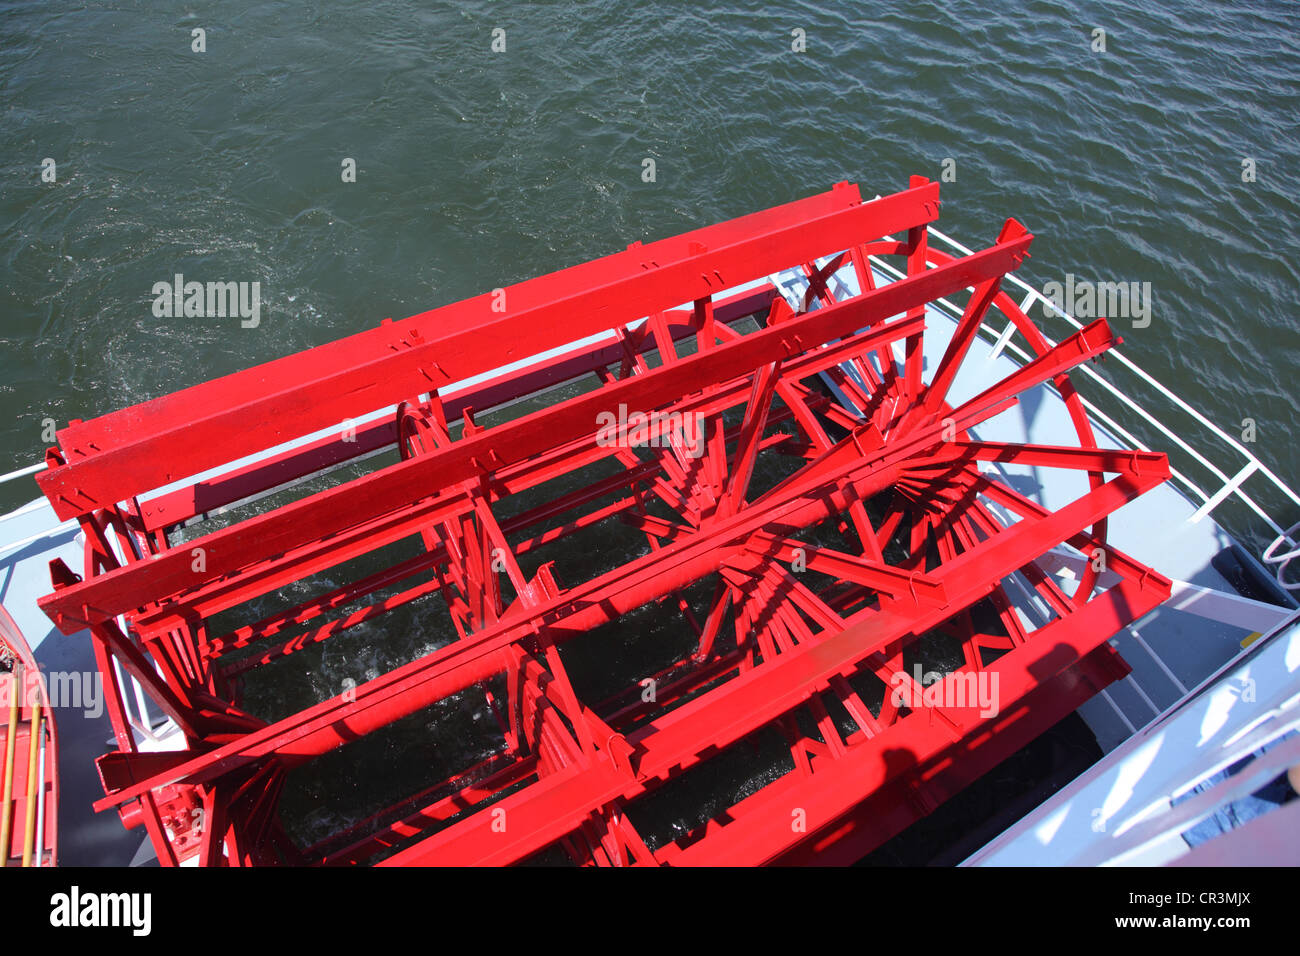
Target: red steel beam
219 491
542 813
467 661
910 793
394 695
129 452
397 486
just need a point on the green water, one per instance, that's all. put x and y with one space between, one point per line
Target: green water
477 168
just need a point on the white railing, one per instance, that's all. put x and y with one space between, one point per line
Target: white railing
31 506
1231 484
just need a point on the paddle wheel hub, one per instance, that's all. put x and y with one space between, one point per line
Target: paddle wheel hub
818 535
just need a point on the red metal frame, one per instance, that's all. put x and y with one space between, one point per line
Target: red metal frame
775 650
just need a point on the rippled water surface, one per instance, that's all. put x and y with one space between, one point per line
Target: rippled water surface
477 169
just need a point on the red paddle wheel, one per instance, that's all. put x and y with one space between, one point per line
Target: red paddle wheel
815 512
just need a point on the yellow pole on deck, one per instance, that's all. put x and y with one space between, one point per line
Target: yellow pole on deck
6 812
33 751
